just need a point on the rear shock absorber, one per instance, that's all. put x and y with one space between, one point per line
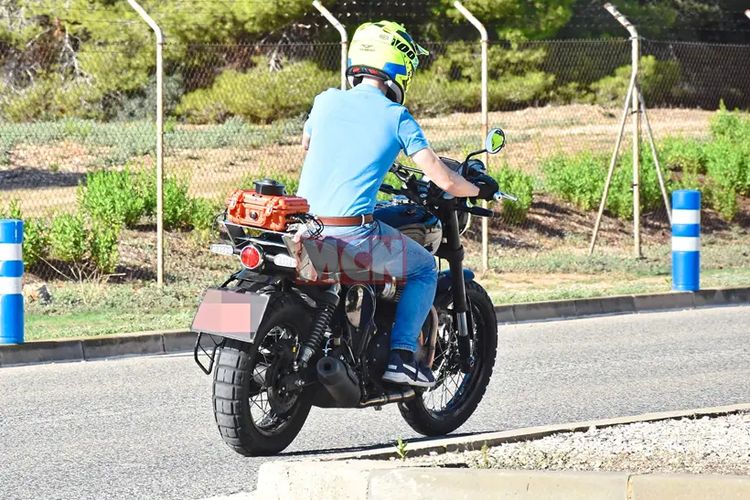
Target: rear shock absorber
329 301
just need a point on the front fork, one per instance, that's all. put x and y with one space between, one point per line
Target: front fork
460 300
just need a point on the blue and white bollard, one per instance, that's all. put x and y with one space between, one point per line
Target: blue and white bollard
686 240
11 272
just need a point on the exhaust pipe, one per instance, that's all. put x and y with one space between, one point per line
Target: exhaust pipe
389 397
340 382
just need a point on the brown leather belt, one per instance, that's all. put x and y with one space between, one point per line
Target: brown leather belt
355 220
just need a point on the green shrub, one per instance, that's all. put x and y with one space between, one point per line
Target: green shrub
731 125
658 80
177 204
258 95
35 241
35 234
683 154
69 239
433 94
521 185
620 199
727 170
202 214
112 197
580 180
88 247
49 98
103 246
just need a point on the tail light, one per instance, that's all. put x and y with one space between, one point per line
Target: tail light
251 256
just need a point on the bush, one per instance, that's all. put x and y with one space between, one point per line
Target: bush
88 247
731 125
50 99
69 238
35 234
658 80
258 95
178 205
113 197
521 185
620 199
580 180
683 154
727 171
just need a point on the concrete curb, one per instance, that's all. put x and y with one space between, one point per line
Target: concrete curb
375 475
106 346
476 441
621 304
80 349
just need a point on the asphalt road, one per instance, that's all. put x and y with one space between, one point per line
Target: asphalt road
143 428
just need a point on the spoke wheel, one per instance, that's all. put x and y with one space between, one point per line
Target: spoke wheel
446 406
254 413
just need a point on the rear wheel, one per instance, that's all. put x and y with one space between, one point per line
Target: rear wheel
446 406
254 414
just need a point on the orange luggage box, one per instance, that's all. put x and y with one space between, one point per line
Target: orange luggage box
248 208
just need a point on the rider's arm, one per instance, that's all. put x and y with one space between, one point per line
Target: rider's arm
445 178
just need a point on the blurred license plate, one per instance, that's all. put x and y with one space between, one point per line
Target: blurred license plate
230 314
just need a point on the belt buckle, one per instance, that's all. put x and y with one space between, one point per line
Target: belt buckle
363 220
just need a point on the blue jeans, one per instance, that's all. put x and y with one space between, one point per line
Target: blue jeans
385 252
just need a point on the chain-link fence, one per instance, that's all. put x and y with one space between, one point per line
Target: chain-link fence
74 160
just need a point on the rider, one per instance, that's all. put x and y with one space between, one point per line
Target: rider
352 138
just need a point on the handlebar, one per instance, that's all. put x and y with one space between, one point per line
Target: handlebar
504 196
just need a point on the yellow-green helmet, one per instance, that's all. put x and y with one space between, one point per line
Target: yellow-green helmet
386 51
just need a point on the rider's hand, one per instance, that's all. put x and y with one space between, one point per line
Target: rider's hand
487 187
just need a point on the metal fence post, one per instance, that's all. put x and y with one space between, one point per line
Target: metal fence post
159 139
632 102
344 39
484 40
11 275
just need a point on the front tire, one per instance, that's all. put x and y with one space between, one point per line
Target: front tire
246 421
432 413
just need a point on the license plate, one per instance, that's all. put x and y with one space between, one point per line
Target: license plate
231 314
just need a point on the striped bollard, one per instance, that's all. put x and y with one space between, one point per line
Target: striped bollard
11 272
686 241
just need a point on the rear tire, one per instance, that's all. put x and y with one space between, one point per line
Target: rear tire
234 386
431 422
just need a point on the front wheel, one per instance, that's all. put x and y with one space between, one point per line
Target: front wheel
254 416
446 406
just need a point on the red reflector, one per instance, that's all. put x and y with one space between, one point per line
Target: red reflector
251 257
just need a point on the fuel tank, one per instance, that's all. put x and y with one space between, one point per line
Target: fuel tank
414 221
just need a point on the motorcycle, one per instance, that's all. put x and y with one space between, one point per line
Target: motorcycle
281 335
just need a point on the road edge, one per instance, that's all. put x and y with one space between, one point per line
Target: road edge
172 341
377 474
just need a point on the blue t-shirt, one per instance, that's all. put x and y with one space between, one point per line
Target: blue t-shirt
356 136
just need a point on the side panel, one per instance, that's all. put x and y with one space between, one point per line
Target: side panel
227 313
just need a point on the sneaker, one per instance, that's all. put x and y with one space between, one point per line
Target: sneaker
411 373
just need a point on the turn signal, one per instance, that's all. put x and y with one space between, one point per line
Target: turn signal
251 257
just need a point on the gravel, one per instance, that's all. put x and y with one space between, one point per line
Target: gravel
719 445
